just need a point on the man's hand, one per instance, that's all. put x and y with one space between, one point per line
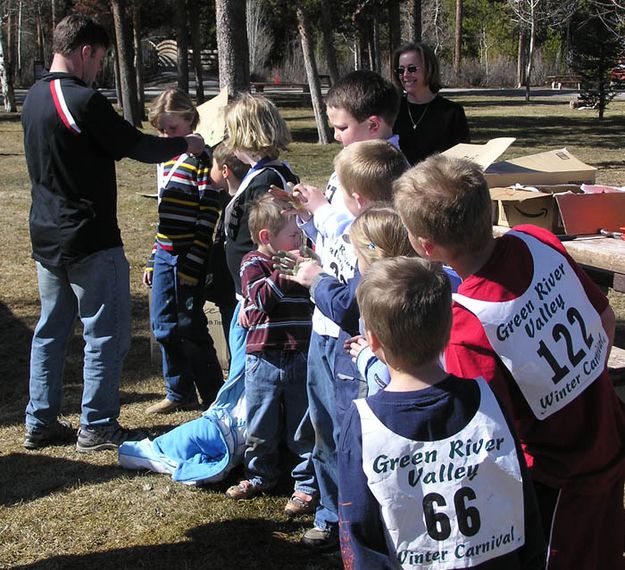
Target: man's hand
147 277
195 143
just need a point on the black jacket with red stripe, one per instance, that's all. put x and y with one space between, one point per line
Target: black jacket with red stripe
72 138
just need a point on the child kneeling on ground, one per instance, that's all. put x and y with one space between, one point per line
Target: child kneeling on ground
430 473
279 316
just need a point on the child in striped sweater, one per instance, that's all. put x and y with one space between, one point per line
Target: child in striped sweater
188 209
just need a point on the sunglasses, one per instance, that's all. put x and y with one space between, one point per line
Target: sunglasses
410 69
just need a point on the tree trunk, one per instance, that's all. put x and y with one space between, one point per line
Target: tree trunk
139 69
196 46
458 41
520 63
232 46
311 72
530 61
394 30
5 80
40 54
128 85
328 41
182 43
415 25
118 81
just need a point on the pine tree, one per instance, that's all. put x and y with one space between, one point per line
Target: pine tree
596 50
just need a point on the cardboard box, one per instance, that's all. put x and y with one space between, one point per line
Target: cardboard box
551 167
560 209
213 316
212 125
516 207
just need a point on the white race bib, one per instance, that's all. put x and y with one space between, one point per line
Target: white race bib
452 503
550 338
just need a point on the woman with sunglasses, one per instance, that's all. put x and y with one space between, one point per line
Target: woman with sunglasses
427 122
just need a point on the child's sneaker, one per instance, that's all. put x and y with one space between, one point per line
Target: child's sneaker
320 539
60 431
244 490
106 437
300 504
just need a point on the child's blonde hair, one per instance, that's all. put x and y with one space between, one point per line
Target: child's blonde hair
406 303
255 126
173 102
378 232
370 168
446 200
266 213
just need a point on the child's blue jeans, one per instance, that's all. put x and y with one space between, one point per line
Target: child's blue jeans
180 326
277 409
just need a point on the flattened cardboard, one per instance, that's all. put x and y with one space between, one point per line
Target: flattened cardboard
212 125
586 214
551 167
482 154
215 329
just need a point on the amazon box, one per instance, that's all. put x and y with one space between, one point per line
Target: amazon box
562 209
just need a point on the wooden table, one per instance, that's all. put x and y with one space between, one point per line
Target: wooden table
601 257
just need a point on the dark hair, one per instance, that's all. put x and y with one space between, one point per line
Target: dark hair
77 30
363 94
223 155
431 69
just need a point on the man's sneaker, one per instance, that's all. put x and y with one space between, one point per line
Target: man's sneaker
300 504
59 432
320 539
106 437
244 490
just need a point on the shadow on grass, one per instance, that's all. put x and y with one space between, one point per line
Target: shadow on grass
15 340
533 132
508 102
237 543
21 481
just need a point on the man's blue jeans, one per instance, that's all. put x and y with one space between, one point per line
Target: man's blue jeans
322 404
180 326
277 409
97 289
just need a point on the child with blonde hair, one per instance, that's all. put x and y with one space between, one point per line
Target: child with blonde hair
188 209
377 233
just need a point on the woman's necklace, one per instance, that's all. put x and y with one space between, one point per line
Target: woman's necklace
415 125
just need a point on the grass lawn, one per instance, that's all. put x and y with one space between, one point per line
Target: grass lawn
59 509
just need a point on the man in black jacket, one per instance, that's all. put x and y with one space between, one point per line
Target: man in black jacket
72 138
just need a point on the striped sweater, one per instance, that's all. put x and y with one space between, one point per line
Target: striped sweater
279 311
188 211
